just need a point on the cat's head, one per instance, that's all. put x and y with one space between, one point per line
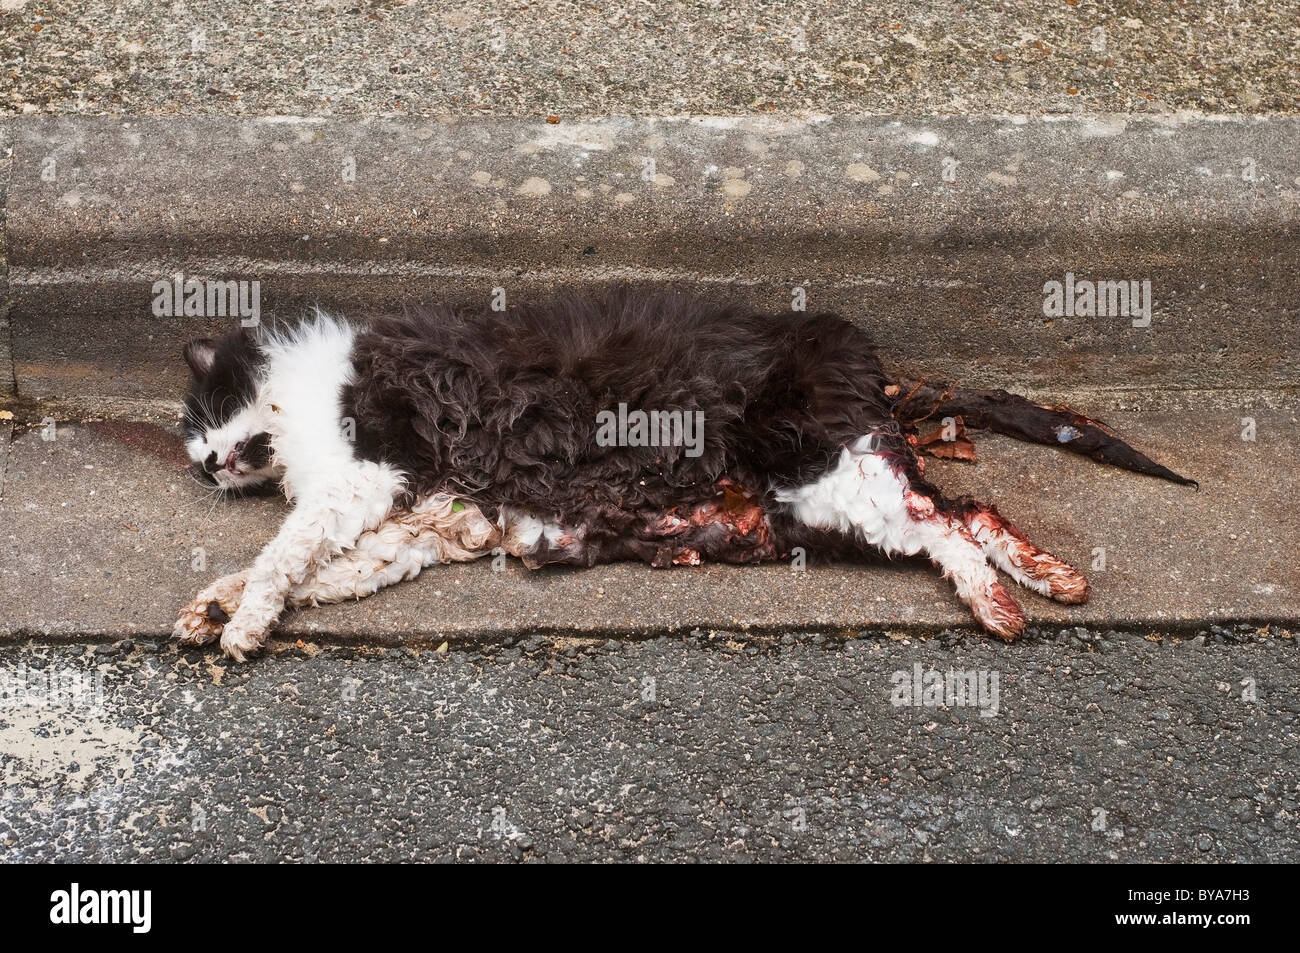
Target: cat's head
224 426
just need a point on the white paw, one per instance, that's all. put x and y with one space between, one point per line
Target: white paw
998 612
239 638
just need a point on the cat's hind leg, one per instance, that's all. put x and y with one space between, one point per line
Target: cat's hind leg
868 492
1012 552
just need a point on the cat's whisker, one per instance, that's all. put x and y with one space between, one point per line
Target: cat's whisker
217 496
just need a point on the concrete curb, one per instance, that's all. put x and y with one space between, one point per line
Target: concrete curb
112 538
7 384
949 275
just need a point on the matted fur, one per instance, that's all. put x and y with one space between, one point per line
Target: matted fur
502 407
474 428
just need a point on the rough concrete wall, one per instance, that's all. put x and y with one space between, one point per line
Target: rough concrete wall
939 235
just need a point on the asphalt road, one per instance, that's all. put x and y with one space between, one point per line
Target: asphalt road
1097 747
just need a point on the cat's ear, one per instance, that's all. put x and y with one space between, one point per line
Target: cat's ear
199 354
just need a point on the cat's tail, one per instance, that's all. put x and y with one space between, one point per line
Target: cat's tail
1017 417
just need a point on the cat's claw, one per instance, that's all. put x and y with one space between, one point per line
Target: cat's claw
194 629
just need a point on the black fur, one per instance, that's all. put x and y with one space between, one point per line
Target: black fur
224 380
501 408
1017 417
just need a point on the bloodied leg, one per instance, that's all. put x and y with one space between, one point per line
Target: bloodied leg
869 493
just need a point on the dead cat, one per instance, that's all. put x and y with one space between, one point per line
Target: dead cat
586 429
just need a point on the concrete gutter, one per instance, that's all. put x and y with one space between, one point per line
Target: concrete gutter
107 538
949 275
103 526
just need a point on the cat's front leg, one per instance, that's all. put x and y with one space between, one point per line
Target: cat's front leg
327 519
437 529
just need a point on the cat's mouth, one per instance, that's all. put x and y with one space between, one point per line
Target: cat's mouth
230 473
241 482
236 475
232 465
244 464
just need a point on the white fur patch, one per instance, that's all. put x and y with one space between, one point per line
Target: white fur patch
337 497
300 399
863 494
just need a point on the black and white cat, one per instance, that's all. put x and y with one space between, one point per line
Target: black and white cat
441 434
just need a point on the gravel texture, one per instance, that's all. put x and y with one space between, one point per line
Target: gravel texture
584 59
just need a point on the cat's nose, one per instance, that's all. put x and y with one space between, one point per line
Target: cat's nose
210 464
